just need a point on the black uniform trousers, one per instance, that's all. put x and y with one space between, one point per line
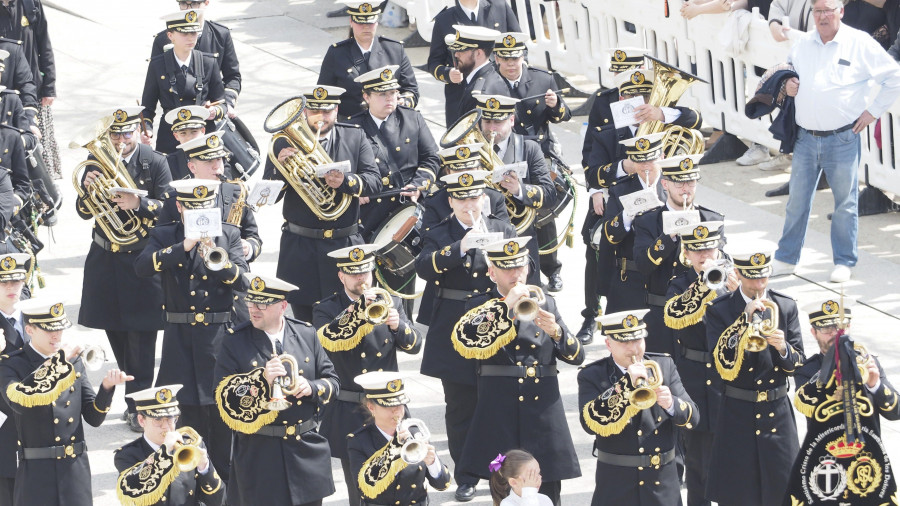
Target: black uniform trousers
697 449
7 486
216 435
135 353
546 238
461 400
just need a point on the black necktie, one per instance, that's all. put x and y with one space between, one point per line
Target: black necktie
184 69
516 85
472 16
497 148
324 143
279 349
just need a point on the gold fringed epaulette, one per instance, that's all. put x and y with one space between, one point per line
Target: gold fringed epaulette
242 401
608 414
483 330
44 385
147 482
346 331
729 351
684 310
379 470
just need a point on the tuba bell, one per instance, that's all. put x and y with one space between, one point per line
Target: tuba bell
644 394
377 310
186 451
669 84
286 122
526 308
762 327
122 227
466 131
415 448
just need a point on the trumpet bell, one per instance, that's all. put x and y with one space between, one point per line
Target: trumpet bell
93 357
644 394
527 308
762 325
377 311
215 258
277 402
413 452
414 449
186 452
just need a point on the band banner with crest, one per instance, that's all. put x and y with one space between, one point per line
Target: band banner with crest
345 332
682 311
484 330
728 353
147 482
379 471
242 400
45 384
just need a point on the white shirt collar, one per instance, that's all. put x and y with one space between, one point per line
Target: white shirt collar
385 434
17 314
277 335
377 121
469 12
127 159
39 353
475 71
364 51
152 444
504 144
765 295
328 136
182 63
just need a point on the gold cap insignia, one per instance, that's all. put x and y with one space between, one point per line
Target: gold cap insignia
630 321
701 232
619 55
357 254
8 263
257 285
492 104
184 115
466 180
757 259
365 8
213 142
394 385
191 17
387 75
120 116
457 35
830 307
642 144
686 164
164 396
638 78
320 93
56 310
509 41
463 153
511 248
201 192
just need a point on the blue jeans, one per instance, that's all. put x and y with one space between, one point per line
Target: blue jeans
838 156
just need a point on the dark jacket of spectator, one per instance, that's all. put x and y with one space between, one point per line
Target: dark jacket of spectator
769 96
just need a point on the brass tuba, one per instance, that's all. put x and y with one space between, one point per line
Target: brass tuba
644 394
186 452
377 310
299 170
527 308
669 84
122 227
762 327
466 131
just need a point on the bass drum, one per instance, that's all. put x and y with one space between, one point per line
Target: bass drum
397 255
565 193
245 158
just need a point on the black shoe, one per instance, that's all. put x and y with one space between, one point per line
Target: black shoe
555 283
133 423
125 415
586 334
778 192
465 492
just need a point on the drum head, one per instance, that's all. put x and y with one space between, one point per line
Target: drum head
284 114
395 220
459 130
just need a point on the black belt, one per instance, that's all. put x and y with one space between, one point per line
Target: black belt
703 357
119 248
351 396
424 502
54 452
826 133
517 371
450 293
198 317
659 459
656 300
627 265
319 233
756 395
288 430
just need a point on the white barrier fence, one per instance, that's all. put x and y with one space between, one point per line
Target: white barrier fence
574 37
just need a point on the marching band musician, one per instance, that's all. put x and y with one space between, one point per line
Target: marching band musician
150 473
533 121
45 385
356 345
380 473
188 123
16 75
536 190
471 21
199 295
658 254
182 76
12 159
635 440
845 460
473 73
516 371
688 296
110 284
279 455
360 54
8 207
452 263
215 39
305 234
756 434
13 272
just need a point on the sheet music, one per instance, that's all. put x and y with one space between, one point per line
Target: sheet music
674 220
133 191
201 223
520 168
264 192
623 111
640 201
325 168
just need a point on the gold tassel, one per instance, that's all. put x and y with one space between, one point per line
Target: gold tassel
347 344
691 314
245 427
609 429
731 371
150 498
58 376
807 409
491 330
371 491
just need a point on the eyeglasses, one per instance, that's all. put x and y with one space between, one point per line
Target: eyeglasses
682 184
192 5
828 331
119 135
258 306
165 421
824 12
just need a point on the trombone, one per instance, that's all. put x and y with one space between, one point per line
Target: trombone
644 394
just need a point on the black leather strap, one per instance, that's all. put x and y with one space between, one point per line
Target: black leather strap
696 355
656 300
285 431
198 317
116 248
319 233
54 452
826 133
450 293
627 265
350 396
517 371
654 460
756 395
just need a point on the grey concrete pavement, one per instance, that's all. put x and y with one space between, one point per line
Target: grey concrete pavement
101 52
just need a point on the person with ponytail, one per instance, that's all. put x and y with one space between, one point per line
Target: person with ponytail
515 480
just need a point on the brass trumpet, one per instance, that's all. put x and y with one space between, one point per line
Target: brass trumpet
644 394
762 327
284 385
186 452
93 357
716 275
377 311
214 257
415 448
527 308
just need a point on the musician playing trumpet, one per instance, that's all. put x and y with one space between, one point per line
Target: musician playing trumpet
152 469
200 277
756 435
387 468
274 447
357 342
634 447
516 370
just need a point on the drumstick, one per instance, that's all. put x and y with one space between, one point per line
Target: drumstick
405 229
397 191
558 92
